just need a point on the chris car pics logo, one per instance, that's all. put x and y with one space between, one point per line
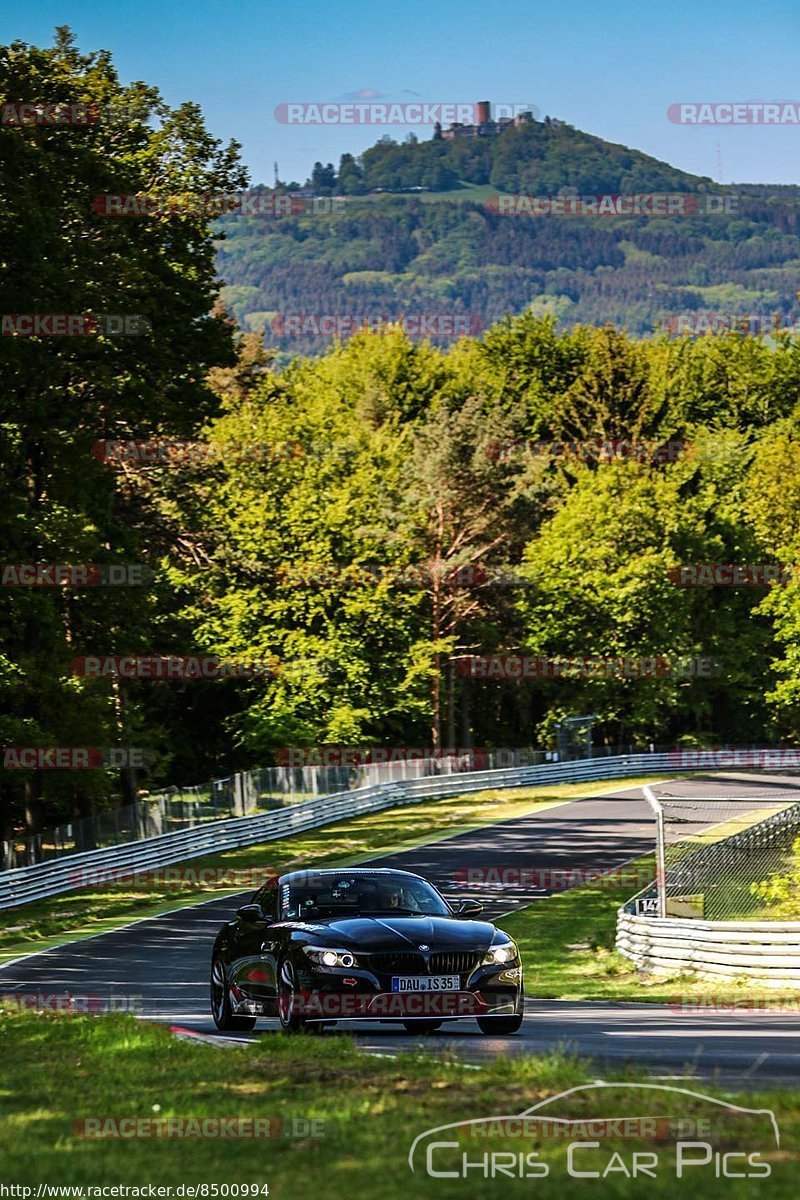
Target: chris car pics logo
611 1131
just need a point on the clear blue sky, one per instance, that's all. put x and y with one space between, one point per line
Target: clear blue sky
611 69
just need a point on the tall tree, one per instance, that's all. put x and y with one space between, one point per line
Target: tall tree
147 286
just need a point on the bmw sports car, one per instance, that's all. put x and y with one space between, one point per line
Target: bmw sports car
317 947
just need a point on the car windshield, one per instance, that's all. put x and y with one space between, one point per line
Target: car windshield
360 895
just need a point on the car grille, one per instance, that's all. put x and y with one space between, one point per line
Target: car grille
453 962
444 962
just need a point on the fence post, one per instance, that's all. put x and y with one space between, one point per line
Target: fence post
661 864
247 791
661 858
243 793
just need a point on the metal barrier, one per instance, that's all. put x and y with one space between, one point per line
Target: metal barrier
23 884
258 790
766 952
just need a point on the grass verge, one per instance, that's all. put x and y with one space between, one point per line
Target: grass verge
59 1070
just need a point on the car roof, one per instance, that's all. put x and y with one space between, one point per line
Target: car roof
328 872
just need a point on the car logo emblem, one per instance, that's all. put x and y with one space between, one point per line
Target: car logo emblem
424 947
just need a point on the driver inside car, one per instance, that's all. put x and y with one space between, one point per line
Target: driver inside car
399 897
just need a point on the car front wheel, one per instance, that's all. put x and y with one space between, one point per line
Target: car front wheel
292 1021
224 1017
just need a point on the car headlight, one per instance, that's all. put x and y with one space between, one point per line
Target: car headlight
329 958
496 956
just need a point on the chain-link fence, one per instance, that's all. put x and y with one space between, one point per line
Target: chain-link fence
169 812
242 794
261 789
732 857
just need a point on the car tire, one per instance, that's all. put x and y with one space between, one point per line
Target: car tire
422 1026
224 1017
500 1026
292 1022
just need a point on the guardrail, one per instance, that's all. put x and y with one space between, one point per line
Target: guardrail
766 952
258 790
23 884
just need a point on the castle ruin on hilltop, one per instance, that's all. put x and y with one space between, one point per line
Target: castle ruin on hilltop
484 126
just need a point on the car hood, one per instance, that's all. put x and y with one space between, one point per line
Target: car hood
404 933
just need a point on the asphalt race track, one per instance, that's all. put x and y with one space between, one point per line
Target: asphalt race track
161 965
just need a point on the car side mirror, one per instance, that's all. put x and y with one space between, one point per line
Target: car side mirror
252 914
469 908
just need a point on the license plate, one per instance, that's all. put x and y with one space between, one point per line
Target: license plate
426 983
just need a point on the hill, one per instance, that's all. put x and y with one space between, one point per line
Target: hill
421 231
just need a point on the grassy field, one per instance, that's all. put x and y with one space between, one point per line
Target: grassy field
59 1070
98 909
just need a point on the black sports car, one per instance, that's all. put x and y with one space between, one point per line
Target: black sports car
316 947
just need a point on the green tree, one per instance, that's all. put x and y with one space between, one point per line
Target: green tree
470 515
601 584
772 507
63 394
